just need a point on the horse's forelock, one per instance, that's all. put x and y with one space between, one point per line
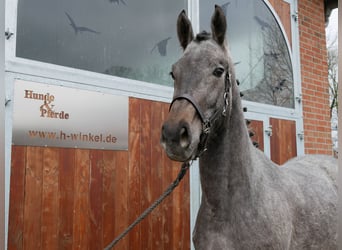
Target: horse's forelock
203 36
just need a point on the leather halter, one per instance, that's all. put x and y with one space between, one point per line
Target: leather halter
207 122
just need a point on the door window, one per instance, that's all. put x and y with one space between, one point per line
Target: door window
259 50
126 38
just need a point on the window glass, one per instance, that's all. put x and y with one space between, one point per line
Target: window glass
259 50
127 38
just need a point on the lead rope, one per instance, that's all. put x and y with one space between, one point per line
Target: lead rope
174 184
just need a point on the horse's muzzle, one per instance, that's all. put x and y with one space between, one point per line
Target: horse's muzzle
180 132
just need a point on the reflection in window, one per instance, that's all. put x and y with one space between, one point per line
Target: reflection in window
127 38
259 50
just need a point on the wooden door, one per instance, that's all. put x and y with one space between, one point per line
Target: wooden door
283 140
64 198
256 132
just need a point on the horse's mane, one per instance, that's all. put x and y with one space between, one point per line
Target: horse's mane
203 36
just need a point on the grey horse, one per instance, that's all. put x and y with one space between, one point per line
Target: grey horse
248 202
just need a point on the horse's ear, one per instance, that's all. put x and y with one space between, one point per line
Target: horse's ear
218 25
184 30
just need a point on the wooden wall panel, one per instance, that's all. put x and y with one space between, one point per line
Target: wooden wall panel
283 140
257 127
81 226
95 199
167 227
157 172
17 197
283 10
109 188
64 198
50 199
145 176
121 194
134 198
33 198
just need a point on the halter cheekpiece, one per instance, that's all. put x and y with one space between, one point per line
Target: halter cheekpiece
207 122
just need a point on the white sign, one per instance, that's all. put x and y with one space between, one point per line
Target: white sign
49 115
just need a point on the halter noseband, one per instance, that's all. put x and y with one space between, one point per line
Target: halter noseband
207 122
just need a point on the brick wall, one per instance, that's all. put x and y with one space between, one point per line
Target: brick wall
314 71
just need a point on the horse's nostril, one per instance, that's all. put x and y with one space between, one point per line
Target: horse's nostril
175 136
184 138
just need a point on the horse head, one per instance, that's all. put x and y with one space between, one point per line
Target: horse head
202 88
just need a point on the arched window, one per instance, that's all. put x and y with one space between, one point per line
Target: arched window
259 49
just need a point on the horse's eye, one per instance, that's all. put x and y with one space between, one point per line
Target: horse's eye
218 71
172 75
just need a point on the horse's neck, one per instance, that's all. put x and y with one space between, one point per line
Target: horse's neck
226 167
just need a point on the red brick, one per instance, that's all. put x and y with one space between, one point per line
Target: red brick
317 134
